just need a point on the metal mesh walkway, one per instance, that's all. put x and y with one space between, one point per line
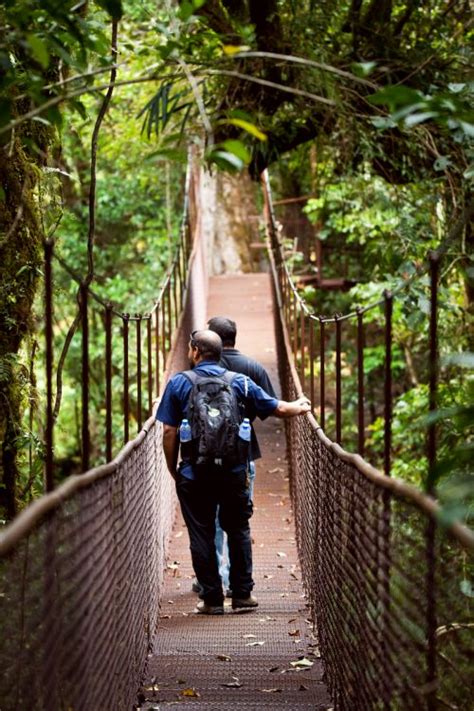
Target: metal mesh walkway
270 657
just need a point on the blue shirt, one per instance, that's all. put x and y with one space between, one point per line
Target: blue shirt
174 402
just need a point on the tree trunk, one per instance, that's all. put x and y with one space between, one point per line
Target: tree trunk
20 264
230 221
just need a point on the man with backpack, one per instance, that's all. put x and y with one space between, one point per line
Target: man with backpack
234 360
213 468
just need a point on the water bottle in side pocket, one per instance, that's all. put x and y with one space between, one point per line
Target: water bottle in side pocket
185 438
245 435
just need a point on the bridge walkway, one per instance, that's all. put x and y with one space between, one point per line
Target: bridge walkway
243 660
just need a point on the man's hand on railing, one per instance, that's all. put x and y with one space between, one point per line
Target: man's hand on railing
291 409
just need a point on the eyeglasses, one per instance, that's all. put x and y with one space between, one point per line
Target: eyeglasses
192 342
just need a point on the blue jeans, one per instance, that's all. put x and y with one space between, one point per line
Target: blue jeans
222 547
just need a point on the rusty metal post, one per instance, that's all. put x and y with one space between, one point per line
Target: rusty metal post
431 613
48 332
149 363
322 384
108 383
360 382
302 348
311 361
126 381
163 329
175 299
338 380
139 371
295 327
388 383
170 321
157 349
85 378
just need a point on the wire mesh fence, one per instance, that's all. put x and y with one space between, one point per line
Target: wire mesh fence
389 588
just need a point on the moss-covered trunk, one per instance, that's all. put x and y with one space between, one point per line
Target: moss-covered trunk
20 265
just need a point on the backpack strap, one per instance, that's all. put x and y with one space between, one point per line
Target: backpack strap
191 376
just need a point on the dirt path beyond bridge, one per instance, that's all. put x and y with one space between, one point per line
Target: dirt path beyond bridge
267 658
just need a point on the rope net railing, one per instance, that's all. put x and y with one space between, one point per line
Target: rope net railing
81 569
385 581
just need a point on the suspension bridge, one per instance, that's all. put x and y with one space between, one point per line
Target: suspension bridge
359 584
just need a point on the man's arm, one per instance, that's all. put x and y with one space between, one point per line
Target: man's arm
170 448
291 409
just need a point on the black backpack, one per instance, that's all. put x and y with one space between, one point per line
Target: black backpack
215 414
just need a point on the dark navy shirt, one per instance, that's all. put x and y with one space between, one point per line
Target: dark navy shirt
232 359
174 402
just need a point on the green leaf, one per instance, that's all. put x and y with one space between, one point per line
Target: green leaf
113 7
238 149
246 126
363 69
38 50
226 160
231 49
441 163
395 96
466 588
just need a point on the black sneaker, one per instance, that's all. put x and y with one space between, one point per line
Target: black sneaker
244 603
202 608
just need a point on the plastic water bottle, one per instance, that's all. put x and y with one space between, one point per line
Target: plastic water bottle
185 431
245 430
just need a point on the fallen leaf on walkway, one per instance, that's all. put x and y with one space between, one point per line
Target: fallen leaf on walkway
275 470
267 619
273 669
179 534
255 644
294 576
173 566
224 658
154 687
303 688
294 633
191 692
233 684
268 577
165 617
249 636
302 663
271 691
170 602
280 554
293 619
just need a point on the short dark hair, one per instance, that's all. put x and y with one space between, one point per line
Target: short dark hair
225 328
208 343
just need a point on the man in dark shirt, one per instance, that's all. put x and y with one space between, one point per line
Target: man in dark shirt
234 360
202 489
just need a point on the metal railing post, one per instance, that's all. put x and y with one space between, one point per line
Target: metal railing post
48 298
126 381
85 377
388 383
322 384
108 383
360 383
149 363
139 371
338 381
